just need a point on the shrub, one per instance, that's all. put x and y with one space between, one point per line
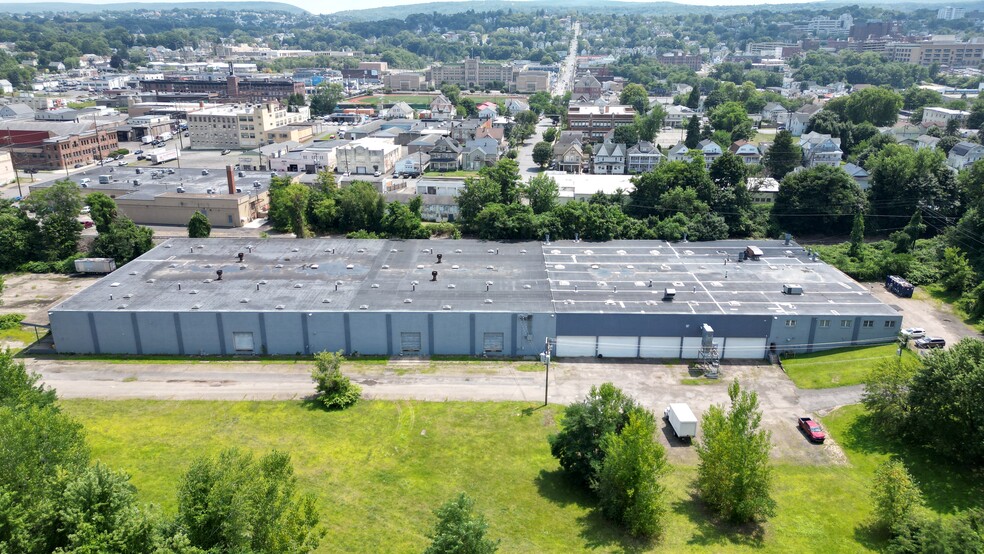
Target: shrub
335 390
10 321
895 494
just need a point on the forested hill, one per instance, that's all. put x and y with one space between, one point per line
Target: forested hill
67 7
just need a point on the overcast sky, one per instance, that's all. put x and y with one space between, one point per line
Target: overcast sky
329 6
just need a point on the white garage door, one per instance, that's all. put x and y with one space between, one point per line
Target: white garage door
618 347
744 348
660 347
691 346
575 347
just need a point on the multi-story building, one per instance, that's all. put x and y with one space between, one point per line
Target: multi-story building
367 156
747 151
55 144
531 81
445 155
950 13
690 61
944 51
609 159
587 87
239 126
941 116
823 25
643 157
404 81
233 87
472 72
820 149
597 121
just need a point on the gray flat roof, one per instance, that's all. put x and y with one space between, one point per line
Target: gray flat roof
476 276
192 180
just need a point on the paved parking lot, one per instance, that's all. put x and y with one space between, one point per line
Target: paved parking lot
938 321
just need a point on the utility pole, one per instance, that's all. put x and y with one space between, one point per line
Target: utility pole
545 358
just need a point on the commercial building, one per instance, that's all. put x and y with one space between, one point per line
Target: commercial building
597 121
941 116
368 155
945 51
622 299
233 87
950 13
55 144
242 126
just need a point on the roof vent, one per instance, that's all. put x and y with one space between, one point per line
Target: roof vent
279 266
350 266
194 291
326 301
196 307
314 266
207 266
523 251
279 307
151 281
490 251
172 266
361 251
492 267
263 281
115 285
244 266
374 286
364 307
167 246
488 300
128 295
244 301
454 267
420 266
201 246
589 252
218 275
446 307
458 251
527 286
133 273
439 256
121 307
298 285
595 266
207 281
433 275
451 285
394 250
408 300
293 249
385 266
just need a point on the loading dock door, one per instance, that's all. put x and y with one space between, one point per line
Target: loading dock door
410 343
691 347
575 347
492 343
618 347
660 347
737 348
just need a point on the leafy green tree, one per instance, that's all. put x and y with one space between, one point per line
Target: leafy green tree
549 135
123 241
505 173
459 530
904 181
635 95
976 118
236 503
279 215
857 236
102 210
956 273
629 484
895 494
578 445
886 392
325 98
542 152
403 222
918 97
821 198
57 208
452 93
732 117
541 191
506 222
878 106
693 132
335 390
199 226
693 99
733 476
360 207
20 236
783 156
477 193
648 125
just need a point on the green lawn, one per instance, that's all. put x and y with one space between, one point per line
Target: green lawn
379 469
839 367
390 99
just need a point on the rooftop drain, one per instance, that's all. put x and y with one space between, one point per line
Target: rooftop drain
196 307
446 307
385 266
407 300
279 307
488 300
298 286
350 266
326 300
151 281
244 301
133 273
364 307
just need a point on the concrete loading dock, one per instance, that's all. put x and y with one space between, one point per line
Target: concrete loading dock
381 297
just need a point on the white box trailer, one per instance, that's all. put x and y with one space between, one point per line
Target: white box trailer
682 420
95 265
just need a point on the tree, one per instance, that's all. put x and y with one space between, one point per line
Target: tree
199 226
952 127
878 106
635 95
505 173
895 494
550 134
325 98
402 221
477 193
629 484
295 197
459 530
955 271
693 132
783 156
57 208
541 191
453 93
732 117
648 125
886 392
123 241
335 390
578 445
102 210
20 236
820 199
733 475
857 236
627 135
360 207
693 99
904 181
542 152
236 503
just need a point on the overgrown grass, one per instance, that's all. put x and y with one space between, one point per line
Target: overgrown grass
531 367
380 468
20 334
839 367
700 381
936 292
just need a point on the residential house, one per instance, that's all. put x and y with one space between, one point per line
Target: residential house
940 117
800 120
497 133
487 110
446 155
6 87
479 153
463 131
515 105
762 190
423 144
414 164
442 108
748 152
568 153
775 113
857 173
434 207
609 159
711 151
964 154
820 149
400 110
643 157
926 141
678 116
679 153
902 131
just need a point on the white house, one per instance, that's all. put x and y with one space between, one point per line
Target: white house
414 164
941 116
776 113
6 87
747 151
711 151
964 154
643 157
400 110
678 116
609 159
820 149
441 107
858 173
926 141
763 190
679 153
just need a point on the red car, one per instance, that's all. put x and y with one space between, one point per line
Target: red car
812 429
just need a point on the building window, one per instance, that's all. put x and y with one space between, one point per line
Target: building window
846 323
824 323
868 323
790 323
889 324
242 342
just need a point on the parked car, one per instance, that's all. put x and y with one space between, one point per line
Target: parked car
121 164
78 166
930 342
138 151
86 209
224 152
914 333
812 429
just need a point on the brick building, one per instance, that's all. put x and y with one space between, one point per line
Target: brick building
233 87
597 121
56 145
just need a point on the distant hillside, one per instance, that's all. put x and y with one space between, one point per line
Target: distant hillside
40 7
614 7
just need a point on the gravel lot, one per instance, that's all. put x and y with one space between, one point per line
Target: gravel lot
938 321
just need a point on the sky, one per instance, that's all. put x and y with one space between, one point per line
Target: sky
330 6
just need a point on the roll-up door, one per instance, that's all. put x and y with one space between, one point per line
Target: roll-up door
691 347
575 347
618 347
492 343
410 342
659 347
744 348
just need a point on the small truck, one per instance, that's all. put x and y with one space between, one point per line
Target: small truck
682 421
812 429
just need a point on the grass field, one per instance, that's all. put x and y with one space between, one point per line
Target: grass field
23 335
839 367
379 469
389 99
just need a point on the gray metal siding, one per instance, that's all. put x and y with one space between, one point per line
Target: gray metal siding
451 333
157 332
367 331
71 332
115 332
199 333
657 325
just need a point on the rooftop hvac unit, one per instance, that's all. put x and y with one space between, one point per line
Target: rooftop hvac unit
792 289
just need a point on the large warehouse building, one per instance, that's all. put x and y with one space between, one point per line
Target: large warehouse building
232 296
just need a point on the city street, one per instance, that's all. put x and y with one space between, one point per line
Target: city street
527 168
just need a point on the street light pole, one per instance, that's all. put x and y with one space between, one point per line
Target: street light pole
545 358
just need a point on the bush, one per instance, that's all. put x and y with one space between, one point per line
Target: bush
38 267
895 494
363 234
335 390
459 530
10 321
447 229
